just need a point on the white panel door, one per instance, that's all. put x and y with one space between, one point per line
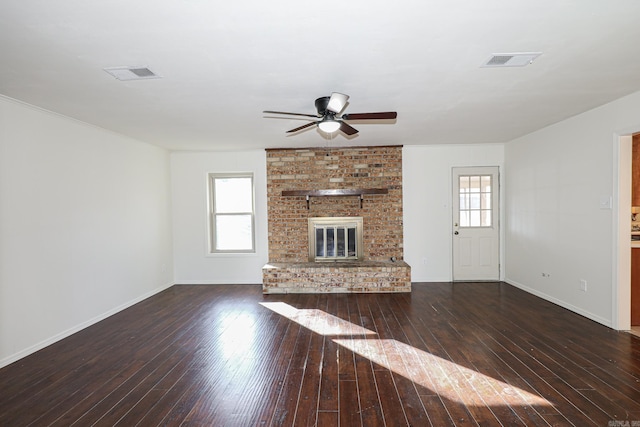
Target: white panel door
476 233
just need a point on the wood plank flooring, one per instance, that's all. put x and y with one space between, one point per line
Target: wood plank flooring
225 355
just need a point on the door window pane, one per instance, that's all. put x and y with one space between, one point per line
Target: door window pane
464 184
464 219
464 201
474 184
475 201
486 201
485 183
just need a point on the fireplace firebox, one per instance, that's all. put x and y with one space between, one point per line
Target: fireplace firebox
335 239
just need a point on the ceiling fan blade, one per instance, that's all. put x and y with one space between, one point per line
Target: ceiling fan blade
348 129
371 116
337 102
302 127
291 114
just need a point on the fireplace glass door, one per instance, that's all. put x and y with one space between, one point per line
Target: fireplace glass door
335 239
336 242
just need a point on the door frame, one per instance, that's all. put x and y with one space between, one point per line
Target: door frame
621 289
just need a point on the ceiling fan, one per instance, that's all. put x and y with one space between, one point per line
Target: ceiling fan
329 110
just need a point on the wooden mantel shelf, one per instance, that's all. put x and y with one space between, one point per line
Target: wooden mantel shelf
336 192
339 192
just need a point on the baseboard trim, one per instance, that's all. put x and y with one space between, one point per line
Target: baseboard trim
215 282
561 303
47 342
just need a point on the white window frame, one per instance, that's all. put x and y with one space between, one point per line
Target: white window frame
211 179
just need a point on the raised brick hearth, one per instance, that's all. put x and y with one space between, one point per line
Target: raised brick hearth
358 276
344 170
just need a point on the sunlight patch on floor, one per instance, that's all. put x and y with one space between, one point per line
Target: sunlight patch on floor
448 379
444 377
237 336
318 321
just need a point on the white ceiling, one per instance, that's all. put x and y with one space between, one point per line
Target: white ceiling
223 63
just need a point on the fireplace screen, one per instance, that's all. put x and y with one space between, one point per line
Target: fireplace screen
335 238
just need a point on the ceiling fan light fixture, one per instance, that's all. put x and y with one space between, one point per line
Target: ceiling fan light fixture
329 126
337 102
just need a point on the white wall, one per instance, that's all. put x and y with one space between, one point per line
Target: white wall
192 262
84 226
557 180
427 198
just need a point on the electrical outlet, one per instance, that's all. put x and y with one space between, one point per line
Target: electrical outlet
583 285
546 275
424 261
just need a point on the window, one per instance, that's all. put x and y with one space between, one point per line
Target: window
231 213
475 201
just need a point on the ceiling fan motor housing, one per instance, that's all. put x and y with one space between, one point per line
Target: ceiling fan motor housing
321 105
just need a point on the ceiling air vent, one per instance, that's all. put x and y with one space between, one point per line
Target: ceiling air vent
511 59
132 73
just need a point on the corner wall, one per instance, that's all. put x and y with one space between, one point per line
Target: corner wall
193 263
560 183
85 226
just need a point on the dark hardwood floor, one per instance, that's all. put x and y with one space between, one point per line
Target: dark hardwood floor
446 354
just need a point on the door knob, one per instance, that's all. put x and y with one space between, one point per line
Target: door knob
455 232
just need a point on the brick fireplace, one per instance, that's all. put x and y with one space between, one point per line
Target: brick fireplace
352 182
